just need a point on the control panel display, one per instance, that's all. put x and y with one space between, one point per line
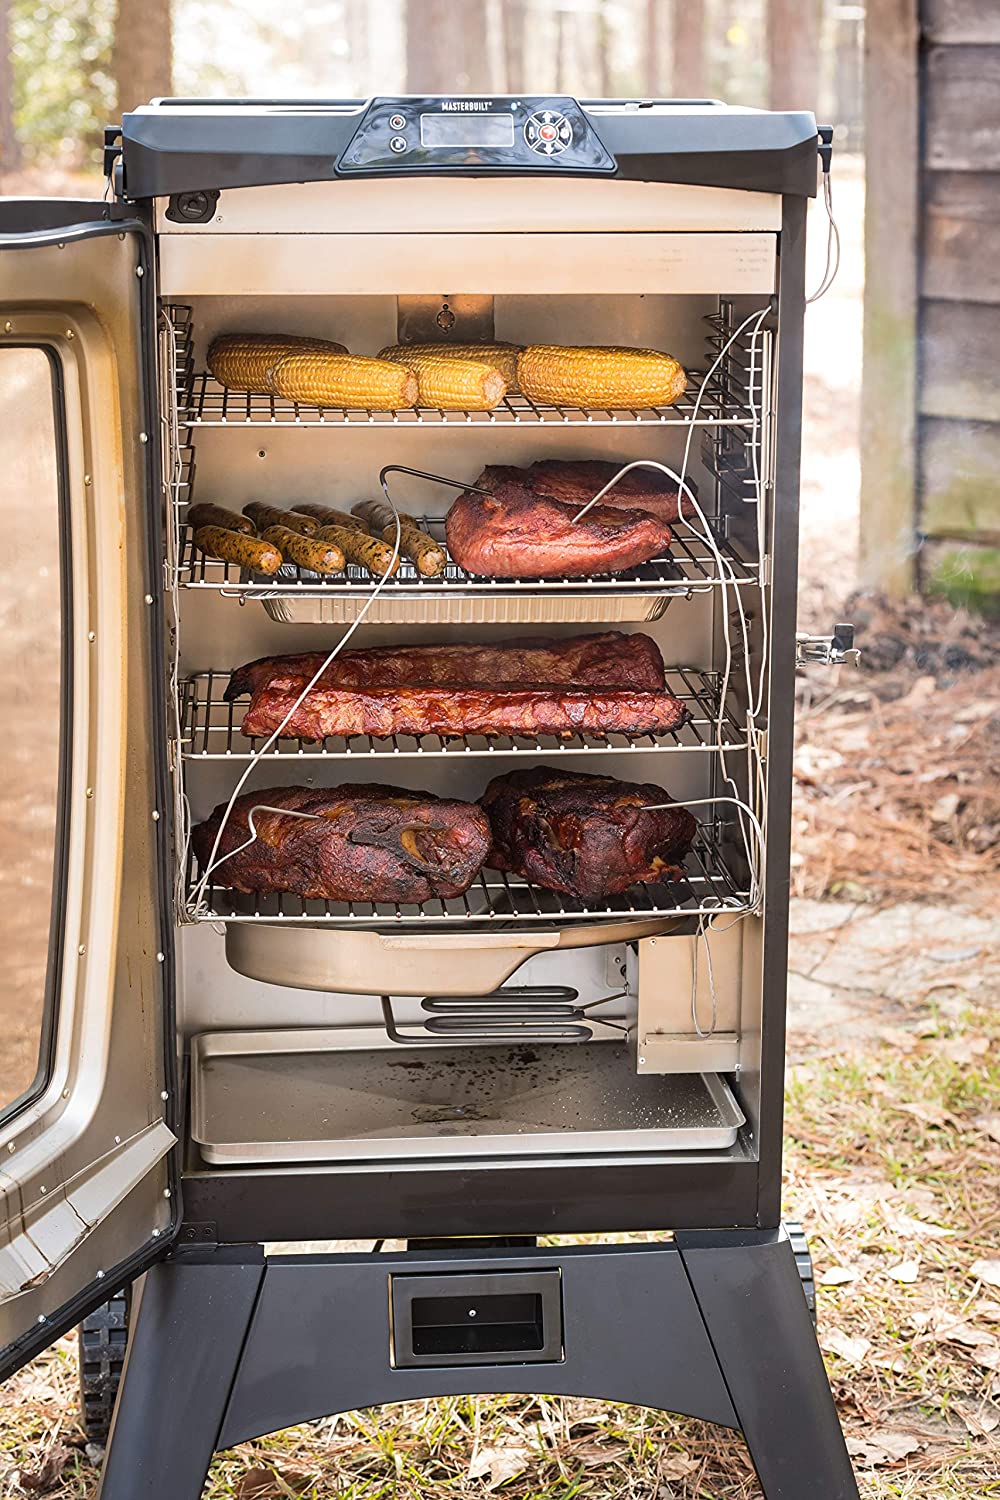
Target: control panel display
466 130
434 134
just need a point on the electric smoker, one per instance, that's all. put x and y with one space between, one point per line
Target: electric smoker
495 1080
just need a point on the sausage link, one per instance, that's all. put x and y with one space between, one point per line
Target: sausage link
205 514
269 515
360 548
319 556
325 515
236 547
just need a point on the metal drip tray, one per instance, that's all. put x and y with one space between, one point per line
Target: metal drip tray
337 1095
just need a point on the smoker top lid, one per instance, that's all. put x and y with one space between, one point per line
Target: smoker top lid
175 146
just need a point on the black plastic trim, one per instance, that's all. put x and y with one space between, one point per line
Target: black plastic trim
212 146
488 1198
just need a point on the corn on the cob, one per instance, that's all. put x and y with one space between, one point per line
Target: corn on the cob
599 376
501 356
453 384
344 380
243 361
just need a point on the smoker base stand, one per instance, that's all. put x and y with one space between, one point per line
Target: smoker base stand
228 1345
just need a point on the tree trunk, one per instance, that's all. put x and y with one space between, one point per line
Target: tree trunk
141 59
513 45
687 48
793 37
358 40
430 60
10 146
603 38
652 62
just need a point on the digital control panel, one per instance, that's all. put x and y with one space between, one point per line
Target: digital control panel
436 133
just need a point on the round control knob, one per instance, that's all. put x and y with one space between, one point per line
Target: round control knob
396 122
398 143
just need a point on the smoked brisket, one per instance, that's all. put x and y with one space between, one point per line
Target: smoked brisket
512 532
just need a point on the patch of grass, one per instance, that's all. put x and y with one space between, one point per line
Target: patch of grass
889 1162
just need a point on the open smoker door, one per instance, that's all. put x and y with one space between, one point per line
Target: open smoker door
87 1196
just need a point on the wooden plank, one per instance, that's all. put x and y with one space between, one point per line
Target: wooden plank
959 469
958 21
888 441
960 372
962 106
961 235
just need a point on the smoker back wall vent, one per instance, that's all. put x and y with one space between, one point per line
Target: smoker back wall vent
512 1317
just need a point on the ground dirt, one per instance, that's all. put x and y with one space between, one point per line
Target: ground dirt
893 1097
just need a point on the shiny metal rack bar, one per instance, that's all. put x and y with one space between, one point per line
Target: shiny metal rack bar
707 885
210 731
688 568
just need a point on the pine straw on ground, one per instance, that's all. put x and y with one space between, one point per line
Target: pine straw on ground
893 1162
897 767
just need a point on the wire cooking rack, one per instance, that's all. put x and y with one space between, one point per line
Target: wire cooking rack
210 730
689 568
708 884
203 402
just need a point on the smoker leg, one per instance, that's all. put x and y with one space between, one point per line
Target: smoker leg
750 1296
188 1330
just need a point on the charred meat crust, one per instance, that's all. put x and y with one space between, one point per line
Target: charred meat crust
364 842
588 836
515 533
607 659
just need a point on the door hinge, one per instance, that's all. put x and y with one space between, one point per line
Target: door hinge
828 650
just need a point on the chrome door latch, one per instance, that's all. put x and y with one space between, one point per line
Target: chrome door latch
828 650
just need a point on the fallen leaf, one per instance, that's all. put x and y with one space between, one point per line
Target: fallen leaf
990 1124
945 1327
987 1356
267 1484
906 1272
944 808
898 1040
678 1465
838 1276
980 1417
930 1114
909 1228
48 1476
965 1049
986 1270
923 689
835 1341
888 1360
500 1464
882 1445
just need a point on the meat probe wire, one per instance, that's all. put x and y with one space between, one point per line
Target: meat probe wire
213 863
726 575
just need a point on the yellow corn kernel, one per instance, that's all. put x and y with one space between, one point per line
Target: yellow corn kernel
453 384
600 376
243 361
501 356
344 380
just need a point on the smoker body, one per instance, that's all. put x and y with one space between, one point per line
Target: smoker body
339 1071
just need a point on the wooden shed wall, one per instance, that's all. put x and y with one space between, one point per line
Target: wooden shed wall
931 433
